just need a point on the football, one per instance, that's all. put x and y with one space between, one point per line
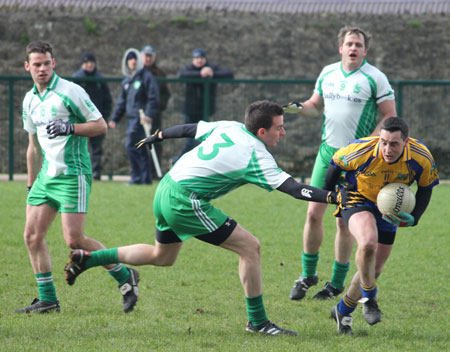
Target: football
396 197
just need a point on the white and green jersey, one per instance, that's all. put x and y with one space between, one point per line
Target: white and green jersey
229 157
64 100
351 101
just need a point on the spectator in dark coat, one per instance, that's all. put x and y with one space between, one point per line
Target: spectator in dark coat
148 55
101 97
139 91
194 102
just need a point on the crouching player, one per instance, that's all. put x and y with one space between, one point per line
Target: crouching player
370 163
231 154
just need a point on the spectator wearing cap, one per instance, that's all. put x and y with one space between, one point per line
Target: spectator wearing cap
148 55
139 91
100 95
194 103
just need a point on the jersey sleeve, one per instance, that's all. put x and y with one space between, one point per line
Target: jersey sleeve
82 106
384 89
325 71
429 176
264 172
352 156
318 85
204 129
28 123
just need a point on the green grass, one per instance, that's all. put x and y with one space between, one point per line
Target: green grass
198 305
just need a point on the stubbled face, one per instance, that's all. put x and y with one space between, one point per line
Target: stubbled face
41 68
353 51
199 61
275 133
392 145
148 59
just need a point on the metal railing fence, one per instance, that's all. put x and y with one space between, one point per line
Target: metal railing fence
425 105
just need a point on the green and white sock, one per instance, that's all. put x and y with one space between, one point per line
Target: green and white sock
46 287
120 273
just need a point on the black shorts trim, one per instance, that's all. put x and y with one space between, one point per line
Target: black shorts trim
216 237
166 237
385 237
220 235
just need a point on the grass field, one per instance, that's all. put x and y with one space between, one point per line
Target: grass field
198 304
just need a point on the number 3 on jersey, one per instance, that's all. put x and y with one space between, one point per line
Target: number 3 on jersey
228 143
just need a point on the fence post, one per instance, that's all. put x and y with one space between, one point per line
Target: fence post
206 98
11 130
400 100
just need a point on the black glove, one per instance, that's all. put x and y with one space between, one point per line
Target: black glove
28 189
334 198
59 128
292 108
154 138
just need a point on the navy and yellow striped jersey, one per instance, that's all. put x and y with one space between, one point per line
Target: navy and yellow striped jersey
366 169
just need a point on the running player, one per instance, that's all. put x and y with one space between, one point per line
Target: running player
370 163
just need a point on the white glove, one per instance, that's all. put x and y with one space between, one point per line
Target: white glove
292 108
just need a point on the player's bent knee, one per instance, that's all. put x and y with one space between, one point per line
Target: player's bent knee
32 239
74 243
368 248
165 261
315 211
252 247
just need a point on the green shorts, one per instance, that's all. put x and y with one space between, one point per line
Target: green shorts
321 165
181 211
66 193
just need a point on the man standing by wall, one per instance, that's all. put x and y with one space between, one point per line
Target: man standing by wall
194 102
101 97
148 55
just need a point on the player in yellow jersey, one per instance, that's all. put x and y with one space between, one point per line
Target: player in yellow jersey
371 163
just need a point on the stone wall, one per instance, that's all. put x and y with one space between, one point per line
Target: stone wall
254 45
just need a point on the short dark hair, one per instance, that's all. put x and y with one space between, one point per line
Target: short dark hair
260 115
354 30
393 124
39 46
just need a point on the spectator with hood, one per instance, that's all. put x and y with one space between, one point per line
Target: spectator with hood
139 91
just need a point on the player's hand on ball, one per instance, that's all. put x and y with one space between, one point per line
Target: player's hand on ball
292 108
154 138
402 220
59 128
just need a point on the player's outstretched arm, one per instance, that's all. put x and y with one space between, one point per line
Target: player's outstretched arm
309 193
179 131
